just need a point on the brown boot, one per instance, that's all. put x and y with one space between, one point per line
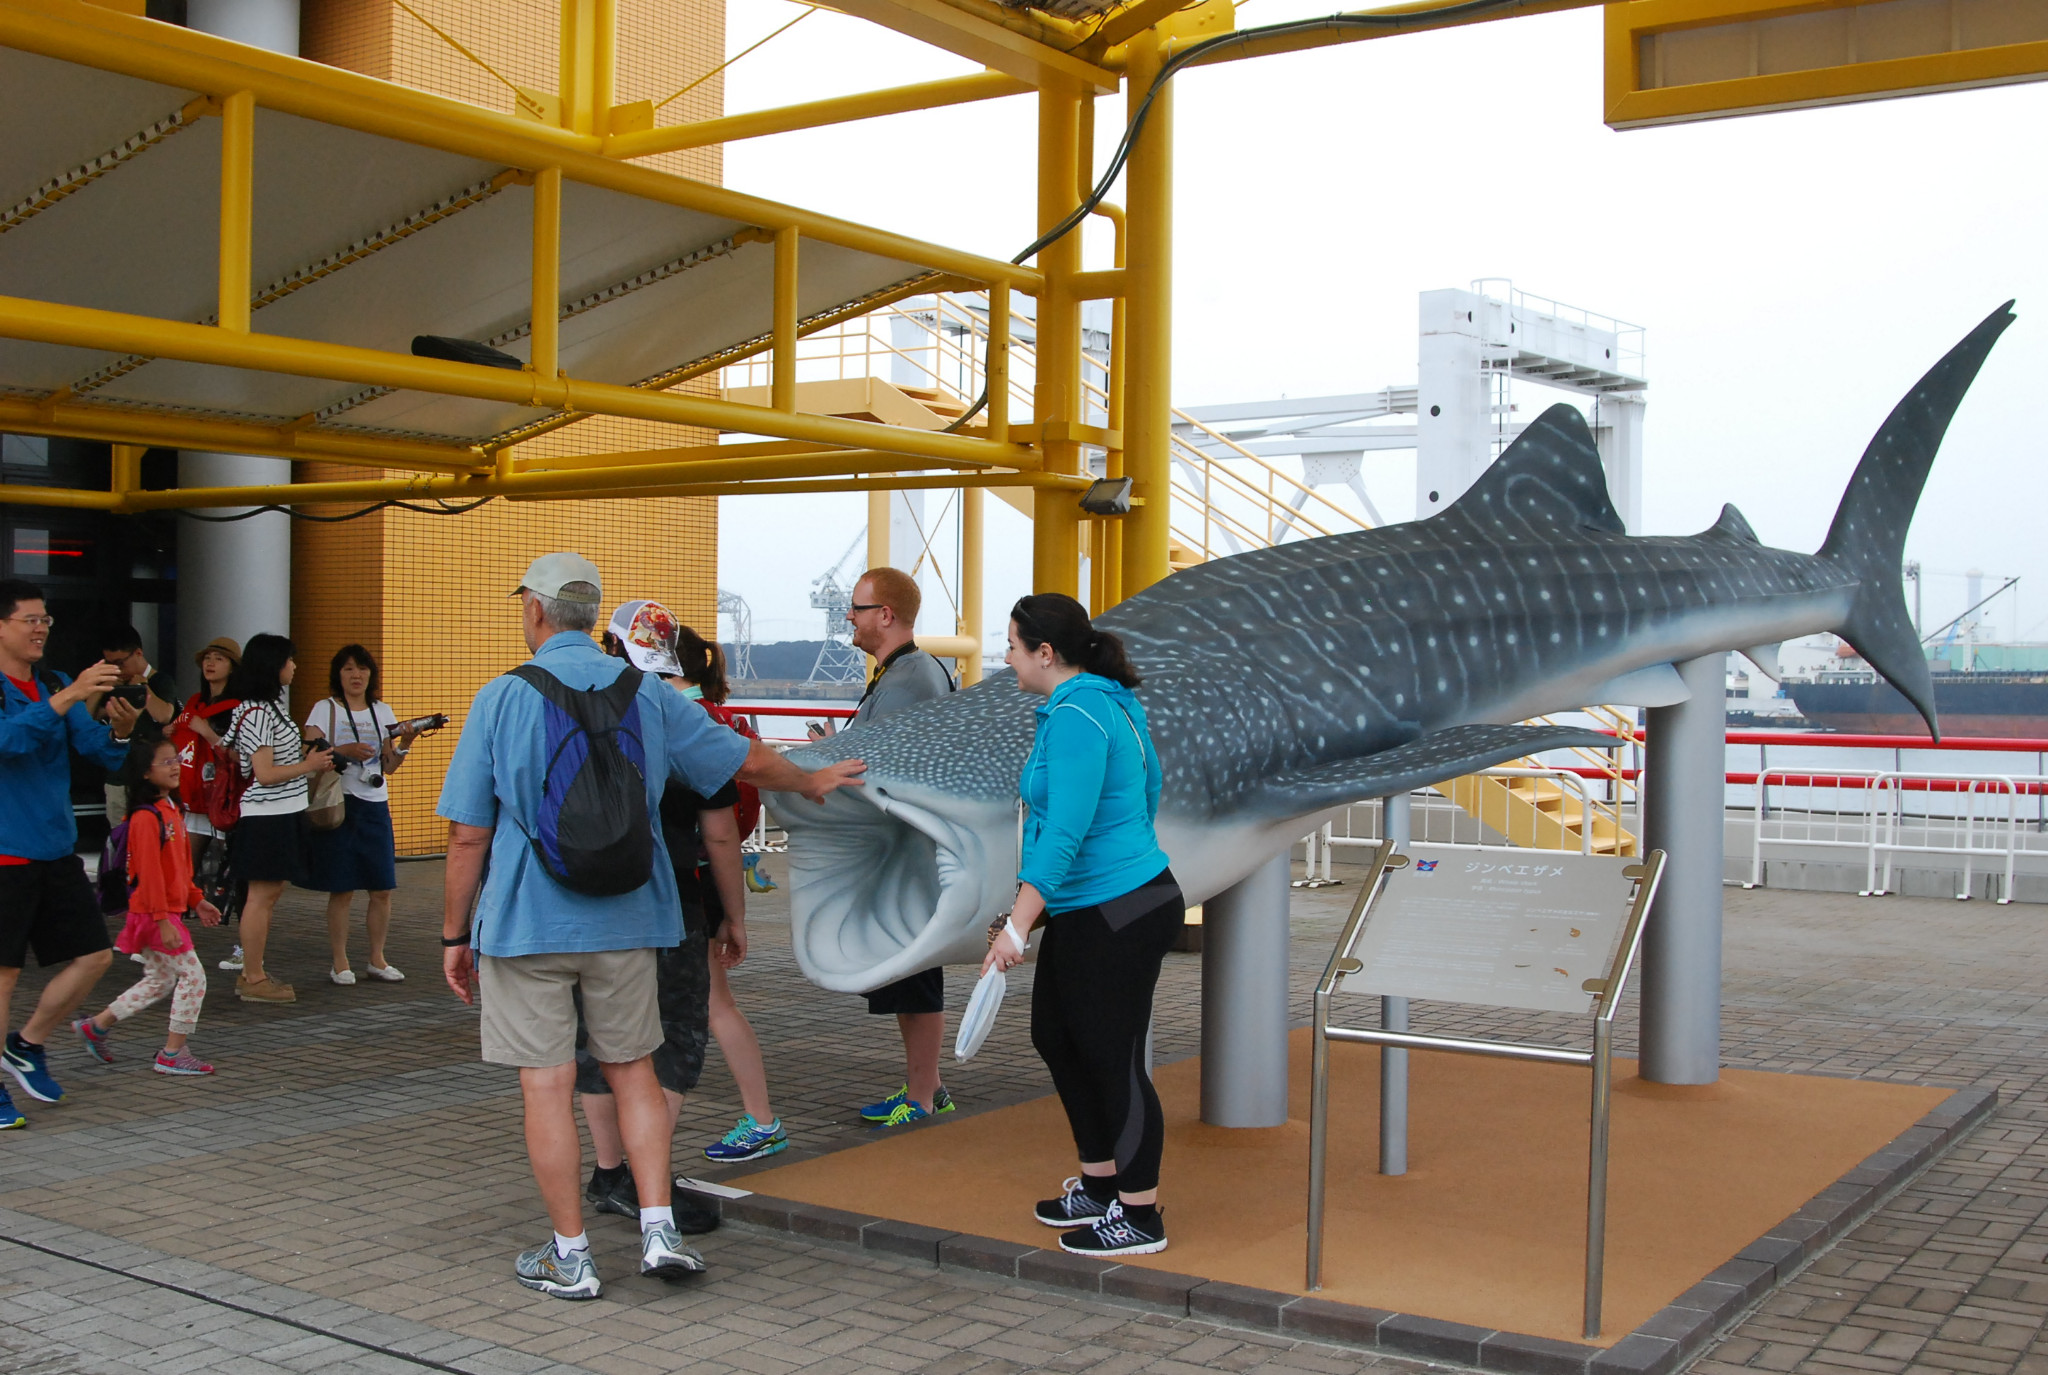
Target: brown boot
264 990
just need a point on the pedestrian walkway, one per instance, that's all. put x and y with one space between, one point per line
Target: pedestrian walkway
356 1177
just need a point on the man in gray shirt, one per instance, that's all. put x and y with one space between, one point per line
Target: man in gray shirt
884 614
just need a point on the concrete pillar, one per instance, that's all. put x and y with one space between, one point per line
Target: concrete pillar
1682 816
1244 1000
235 579
1398 827
1618 431
1453 431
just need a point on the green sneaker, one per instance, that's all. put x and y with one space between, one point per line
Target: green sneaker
879 1113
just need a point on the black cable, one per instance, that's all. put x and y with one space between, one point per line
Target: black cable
1388 22
440 509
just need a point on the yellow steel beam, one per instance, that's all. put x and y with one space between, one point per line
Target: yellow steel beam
116 425
83 327
107 41
998 375
1148 356
127 469
586 62
848 460
983 37
870 485
782 361
1418 13
1055 528
1108 284
1127 23
972 579
237 206
896 100
546 306
15 493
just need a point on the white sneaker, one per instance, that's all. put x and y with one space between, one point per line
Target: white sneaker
345 977
664 1254
386 973
233 963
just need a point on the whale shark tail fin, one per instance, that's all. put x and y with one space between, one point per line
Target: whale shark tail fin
1868 537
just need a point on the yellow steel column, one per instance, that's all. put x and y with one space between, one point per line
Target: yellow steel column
1148 356
782 377
589 50
547 273
237 201
127 469
972 623
998 375
878 529
1056 525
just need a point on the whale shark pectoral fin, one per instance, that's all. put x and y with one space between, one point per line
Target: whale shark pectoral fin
1765 657
1432 759
1656 686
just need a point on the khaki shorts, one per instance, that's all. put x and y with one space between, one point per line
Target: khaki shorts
529 1007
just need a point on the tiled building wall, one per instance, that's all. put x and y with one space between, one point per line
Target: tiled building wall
427 593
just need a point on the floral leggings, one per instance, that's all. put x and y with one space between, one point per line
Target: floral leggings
181 975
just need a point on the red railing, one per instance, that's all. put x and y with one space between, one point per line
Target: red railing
1989 744
803 713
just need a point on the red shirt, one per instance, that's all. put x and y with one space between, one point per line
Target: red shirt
34 693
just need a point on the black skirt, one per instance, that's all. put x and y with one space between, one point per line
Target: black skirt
270 849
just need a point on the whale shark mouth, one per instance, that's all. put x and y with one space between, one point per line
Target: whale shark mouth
885 884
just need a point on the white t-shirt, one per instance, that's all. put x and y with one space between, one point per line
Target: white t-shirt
333 719
254 725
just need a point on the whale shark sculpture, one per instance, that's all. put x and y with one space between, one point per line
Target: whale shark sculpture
1286 683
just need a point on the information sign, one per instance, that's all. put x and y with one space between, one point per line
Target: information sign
1496 929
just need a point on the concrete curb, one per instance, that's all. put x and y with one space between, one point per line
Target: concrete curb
1672 1336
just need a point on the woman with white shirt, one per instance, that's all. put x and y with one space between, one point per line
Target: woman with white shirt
359 854
268 846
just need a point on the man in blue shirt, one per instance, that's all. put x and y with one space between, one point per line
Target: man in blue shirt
539 945
46 902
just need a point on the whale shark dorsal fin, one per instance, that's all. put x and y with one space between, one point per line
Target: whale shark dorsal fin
1550 476
1731 525
1656 686
1437 756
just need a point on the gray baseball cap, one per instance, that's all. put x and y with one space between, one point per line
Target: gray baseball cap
549 573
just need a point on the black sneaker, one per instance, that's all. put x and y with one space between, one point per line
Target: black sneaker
1115 1235
612 1191
1073 1208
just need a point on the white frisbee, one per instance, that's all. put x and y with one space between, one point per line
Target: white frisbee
980 1015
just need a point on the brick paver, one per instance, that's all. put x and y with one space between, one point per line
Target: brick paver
352 1153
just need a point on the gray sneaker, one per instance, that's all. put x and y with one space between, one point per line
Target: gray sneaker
574 1278
664 1255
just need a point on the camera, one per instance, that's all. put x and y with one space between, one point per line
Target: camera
134 694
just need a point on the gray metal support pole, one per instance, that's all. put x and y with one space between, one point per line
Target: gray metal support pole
1396 825
1244 1000
1683 795
235 580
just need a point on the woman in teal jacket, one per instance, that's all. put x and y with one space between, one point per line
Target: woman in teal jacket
1092 869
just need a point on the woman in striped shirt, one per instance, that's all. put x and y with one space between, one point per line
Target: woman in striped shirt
268 847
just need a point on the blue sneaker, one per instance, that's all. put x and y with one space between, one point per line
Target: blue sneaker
880 1113
903 1113
31 1070
748 1140
10 1116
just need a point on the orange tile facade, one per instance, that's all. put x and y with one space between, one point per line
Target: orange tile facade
426 593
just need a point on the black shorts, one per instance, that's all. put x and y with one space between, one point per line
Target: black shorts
48 905
682 983
924 992
270 849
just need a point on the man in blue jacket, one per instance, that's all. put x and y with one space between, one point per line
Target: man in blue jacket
46 903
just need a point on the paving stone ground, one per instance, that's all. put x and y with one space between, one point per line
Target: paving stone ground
354 1170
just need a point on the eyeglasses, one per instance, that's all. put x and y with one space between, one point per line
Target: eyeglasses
865 606
32 621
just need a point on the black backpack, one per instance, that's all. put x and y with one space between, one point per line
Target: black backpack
594 834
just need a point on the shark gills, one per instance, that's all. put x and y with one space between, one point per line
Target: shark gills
1286 683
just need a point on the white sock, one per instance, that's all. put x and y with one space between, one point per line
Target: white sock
566 1247
650 1216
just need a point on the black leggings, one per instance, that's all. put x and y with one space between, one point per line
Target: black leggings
1091 1005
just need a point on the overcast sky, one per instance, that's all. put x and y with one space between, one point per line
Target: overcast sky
1796 272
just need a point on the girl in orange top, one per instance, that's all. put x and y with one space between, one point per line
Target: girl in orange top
160 892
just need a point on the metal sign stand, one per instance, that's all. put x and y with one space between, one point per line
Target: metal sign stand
1605 993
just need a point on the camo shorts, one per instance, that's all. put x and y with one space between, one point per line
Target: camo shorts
682 983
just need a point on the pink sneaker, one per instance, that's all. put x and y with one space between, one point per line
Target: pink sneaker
95 1040
184 1062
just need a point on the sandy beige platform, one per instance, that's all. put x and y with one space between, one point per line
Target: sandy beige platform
1486 1228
